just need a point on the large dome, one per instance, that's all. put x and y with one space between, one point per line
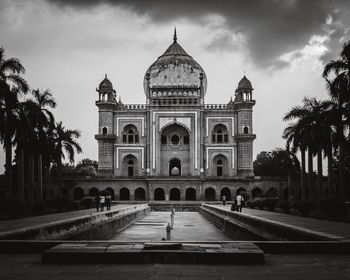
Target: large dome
175 68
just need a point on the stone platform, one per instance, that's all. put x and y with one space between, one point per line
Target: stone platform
160 252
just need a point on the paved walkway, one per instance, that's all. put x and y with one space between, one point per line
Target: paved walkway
339 229
8 225
188 226
281 267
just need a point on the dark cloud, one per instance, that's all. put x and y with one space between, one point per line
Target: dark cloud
270 27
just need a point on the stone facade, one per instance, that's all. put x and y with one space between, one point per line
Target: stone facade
175 135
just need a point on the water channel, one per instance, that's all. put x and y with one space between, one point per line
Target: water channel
188 226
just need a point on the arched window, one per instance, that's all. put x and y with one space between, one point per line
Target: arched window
175 194
245 130
219 134
209 194
175 139
130 167
140 194
227 193
159 194
219 167
190 194
124 194
130 134
104 130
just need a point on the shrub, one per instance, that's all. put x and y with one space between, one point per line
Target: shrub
59 203
38 207
269 203
284 205
87 202
256 204
304 207
12 208
333 208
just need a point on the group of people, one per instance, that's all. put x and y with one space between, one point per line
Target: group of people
102 201
237 203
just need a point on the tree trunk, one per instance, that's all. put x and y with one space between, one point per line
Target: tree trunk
302 177
8 165
289 185
331 190
341 172
310 179
40 177
47 182
20 174
31 178
320 192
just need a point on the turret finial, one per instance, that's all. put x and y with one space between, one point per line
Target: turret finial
175 36
105 76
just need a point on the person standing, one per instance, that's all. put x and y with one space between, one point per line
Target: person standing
102 202
97 202
224 200
108 202
240 200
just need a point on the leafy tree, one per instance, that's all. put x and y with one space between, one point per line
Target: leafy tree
11 86
337 75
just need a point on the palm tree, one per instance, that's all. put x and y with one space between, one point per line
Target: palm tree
289 165
64 144
44 101
11 85
337 76
33 138
295 136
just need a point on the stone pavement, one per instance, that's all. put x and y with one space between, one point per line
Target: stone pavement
188 226
342 230
281 267
14 224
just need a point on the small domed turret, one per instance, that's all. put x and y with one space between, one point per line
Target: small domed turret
106 91
244 83
244 90
106 84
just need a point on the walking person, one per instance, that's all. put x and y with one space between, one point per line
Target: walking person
240 201
102 202
97 202
224 200
108 202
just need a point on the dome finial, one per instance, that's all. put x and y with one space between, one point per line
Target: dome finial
175 36
105 76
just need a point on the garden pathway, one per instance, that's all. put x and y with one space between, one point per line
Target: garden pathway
342 230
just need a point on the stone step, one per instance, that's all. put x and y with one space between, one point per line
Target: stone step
159 252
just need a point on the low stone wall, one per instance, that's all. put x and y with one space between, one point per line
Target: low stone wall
231 222
191 206
67 228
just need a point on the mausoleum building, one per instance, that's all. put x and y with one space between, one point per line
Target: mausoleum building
175 138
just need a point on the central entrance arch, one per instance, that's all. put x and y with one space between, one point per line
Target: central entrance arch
175 167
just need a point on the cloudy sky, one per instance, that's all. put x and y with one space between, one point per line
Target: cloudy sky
67 46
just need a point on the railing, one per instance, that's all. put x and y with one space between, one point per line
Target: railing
133 107
217 107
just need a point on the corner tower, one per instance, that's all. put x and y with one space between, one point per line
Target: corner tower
105 136
244 107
